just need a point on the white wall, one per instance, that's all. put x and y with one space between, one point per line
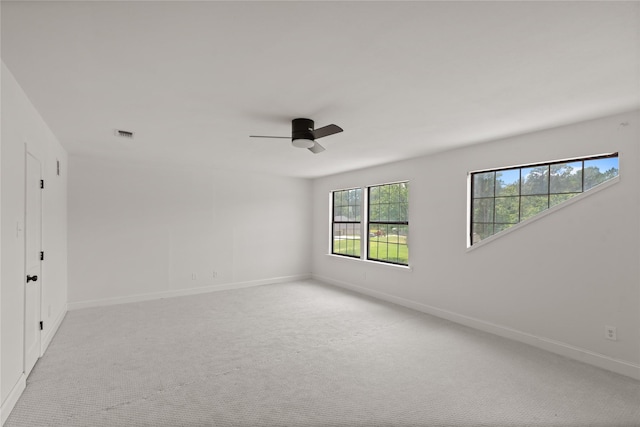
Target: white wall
22 128
141 231
554 283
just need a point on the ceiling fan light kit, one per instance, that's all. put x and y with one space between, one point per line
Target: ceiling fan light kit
303 143
303 134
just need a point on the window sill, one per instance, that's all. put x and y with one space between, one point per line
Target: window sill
399 267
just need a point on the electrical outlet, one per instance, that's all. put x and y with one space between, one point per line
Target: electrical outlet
610 333
215 274
194 276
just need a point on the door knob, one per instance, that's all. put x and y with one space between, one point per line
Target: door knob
30 278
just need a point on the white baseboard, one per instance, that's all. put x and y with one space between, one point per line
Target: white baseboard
600 360
183 292
50 330
12 398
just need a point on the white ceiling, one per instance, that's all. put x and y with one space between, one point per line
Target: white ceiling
194 79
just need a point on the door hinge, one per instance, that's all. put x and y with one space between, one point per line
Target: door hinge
41 255
42 183
41 325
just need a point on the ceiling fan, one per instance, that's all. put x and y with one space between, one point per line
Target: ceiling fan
303 135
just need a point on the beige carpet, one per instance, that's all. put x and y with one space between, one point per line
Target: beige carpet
305 354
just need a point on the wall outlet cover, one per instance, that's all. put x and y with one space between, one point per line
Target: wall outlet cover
610 333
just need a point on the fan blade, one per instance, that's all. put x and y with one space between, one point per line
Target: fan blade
264 136
316 148
326 131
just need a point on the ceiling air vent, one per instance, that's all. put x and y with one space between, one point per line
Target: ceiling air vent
124 133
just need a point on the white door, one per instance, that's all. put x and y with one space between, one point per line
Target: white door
33 280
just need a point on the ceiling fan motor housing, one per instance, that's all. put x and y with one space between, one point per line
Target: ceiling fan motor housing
302 129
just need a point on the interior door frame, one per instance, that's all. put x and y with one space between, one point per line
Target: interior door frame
33 152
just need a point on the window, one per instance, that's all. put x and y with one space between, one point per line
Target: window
388 223
347 213
501 198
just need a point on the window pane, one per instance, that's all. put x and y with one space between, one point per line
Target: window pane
483 184
384 193
531 205
556 199
338 232
351 194
404 192
383 232
354 213
535 180
566 178
377 240
403 254
353 239
394 193
403 214
348 240
507 210
344 213
339 229
377 250
598 171
373 241
398 249
374 212
501 227
356 232
403 234
508 182
373 195
395 212
384 212
389 253
373 231
481 231
483 210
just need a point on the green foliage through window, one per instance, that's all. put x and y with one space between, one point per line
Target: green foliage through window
501 198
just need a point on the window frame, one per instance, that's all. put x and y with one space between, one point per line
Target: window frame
346 223
548 193
386 223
